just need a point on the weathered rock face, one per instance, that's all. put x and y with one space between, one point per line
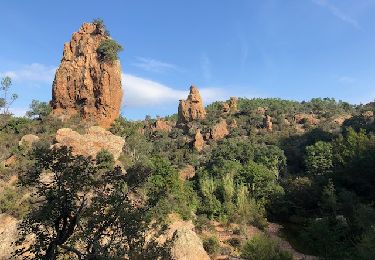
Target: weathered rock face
28 140
8 235
341 119
267 122
198 141
233 104
302 118
220 130
187 172
89 144
225 108
84 85
192 108
233 124
161 126
186 245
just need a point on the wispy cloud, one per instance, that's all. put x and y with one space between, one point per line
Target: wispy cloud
337 12
140 92
32 73
153 65
346 79
206 67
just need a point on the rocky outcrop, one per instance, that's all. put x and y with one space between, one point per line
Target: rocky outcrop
28 140
198 141
8 235
220 130
10 161
225 108
192 108
233 104
83 84
187 172
161 126
341 119
267 122
89 144
303 118
186 245
233 124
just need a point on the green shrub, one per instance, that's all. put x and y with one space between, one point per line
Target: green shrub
108 50
262 247
12 203
211 245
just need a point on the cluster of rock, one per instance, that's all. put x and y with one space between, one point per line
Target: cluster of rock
84 85
161 126
89 144
192 108
231 106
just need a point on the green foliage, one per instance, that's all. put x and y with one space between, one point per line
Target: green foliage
261 247
12 202
100 26
261 182
319 159
108 50
105 160
6 100
365 248
167 193
328 238
211 245
39 109
86 202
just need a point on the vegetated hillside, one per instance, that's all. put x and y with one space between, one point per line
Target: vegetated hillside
244 166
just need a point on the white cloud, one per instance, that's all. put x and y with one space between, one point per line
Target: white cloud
154 65
145 92
35 72
346 79
337 12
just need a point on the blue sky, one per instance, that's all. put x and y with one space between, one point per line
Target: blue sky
293 49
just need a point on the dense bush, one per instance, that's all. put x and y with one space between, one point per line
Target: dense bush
262 247
211 245
108 50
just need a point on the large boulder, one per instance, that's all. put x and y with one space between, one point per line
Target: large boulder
161 126
233 104
267 122
192 108
186 245
84 85
220 130
89 144
28 140
303 118
198 141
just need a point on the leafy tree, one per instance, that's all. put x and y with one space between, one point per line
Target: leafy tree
261 182
39 109
6 101
167 193
319 159
84 209
108 50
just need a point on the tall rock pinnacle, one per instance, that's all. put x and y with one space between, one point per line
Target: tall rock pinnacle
84 85
192 108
